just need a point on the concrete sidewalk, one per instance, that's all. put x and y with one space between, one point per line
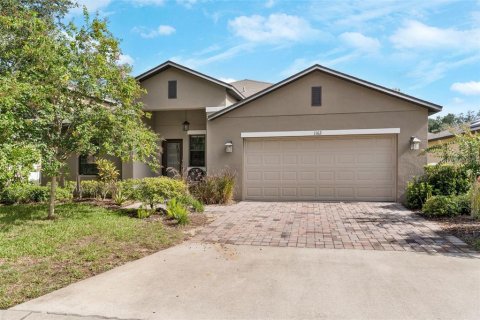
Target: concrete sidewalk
200 281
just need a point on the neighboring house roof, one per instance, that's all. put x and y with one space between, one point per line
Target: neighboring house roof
249 87
169 64
432 108
475 126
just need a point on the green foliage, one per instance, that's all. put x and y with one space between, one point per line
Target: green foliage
190 201
153 191
144 213
464 203
450 120
447 179
215 189
475 199
89 189
129 188
176 210
418 191
30 193
463 150
119 196
442 206
64 91
438 180
108 175
16 162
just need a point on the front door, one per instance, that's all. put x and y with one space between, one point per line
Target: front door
172 157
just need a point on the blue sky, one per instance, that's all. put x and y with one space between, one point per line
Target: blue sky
427 48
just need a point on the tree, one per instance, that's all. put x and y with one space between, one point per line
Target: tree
64 91
451 120
464 150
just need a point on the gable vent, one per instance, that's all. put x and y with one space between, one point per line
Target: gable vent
316 96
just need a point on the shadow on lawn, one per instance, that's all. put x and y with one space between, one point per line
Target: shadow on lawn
22 214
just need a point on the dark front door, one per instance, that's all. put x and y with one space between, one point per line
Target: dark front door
172 157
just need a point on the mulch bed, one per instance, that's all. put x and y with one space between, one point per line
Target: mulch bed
465 228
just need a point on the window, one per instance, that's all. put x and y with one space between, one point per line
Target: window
172 89
197 151
316 96
87 165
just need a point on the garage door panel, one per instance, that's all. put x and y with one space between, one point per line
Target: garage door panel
321 168
272 159
254 176
308 159
253 159
290 159
325 159
325 176
272 176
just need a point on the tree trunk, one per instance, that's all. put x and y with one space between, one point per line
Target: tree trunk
53 189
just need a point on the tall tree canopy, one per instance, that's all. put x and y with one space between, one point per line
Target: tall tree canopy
63 90
451 120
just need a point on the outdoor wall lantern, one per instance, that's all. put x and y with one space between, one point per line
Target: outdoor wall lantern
186 125
228 146
414 143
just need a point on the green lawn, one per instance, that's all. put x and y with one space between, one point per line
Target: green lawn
38 255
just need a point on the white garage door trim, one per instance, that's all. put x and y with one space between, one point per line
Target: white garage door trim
392 171
309 133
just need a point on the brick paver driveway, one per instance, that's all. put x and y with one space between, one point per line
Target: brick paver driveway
349 225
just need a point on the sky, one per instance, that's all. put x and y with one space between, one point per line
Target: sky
426 48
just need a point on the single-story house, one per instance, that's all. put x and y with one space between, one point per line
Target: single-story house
446 136
317 135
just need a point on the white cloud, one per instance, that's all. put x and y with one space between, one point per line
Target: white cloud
224 55
324 60
428 71
162 30
187 3
414 35
227 80
91 5
142 3
467 88
125 59
274 28
360 42
269 3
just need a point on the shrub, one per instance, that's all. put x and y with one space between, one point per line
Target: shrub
129 188
144 213
38 193
464 203
442 206
176 210
89 189
29 193
475 199
418 191
153 191
447 179
189 200
215 189
107 175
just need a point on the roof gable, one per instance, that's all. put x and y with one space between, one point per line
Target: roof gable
170 64
432 108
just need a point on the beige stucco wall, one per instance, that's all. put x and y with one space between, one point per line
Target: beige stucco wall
344 106
192 92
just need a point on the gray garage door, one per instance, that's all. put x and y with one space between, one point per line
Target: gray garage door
359 168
